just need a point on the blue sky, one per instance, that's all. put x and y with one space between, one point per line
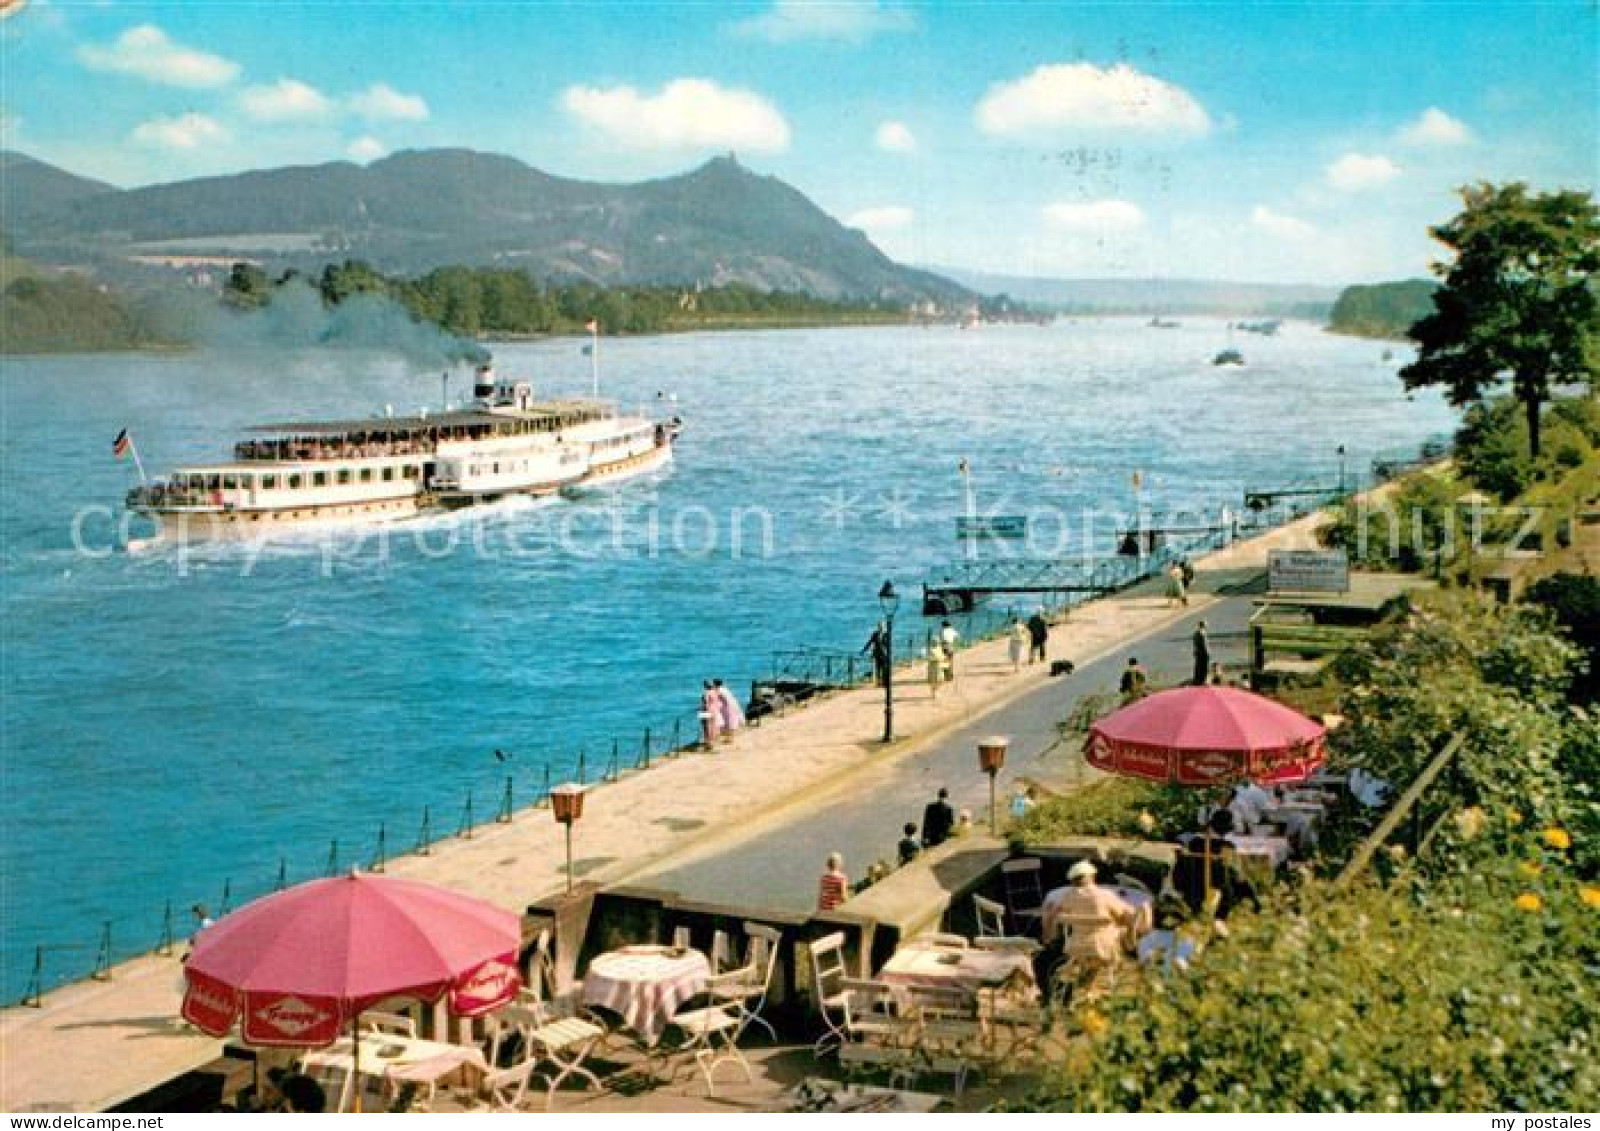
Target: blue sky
1278 142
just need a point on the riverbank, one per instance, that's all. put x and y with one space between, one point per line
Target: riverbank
127 1027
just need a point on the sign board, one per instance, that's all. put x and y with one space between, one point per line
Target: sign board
992 526
1308 571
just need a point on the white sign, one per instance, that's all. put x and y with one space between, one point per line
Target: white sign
1308 571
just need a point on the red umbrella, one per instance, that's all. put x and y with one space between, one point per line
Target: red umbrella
1207 736
303 964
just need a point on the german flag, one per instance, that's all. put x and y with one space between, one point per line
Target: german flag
121 445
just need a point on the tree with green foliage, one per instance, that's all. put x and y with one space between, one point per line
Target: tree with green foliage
1519 300
247 287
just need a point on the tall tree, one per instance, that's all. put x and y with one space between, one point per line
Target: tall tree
1518 302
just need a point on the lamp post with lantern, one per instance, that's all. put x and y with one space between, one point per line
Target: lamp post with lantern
991 758
566 803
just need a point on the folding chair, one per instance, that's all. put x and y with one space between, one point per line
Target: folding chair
713 1031
507 1088
761 960
1024 893
828 975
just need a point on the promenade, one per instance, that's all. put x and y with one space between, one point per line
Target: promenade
699 819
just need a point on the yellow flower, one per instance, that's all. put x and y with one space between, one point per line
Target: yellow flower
1591 896
1513 817
1094 1022
1557 838
1529 867
1527 901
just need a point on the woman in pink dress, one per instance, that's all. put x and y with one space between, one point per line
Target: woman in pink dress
710 715
729 712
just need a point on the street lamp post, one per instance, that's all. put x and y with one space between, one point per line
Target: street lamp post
566 802
991 757
889 602
1341 471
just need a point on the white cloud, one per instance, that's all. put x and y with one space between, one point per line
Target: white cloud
888 218
186 132
895 137
366 149
1357 171
146 52
1094 216
686 114
849 21
1280 225
382 102
1436 128
287 100
1060 97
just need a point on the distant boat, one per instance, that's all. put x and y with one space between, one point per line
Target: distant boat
1228 357
1158 323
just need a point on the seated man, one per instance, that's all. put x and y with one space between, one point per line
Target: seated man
1207 862
1096 925
1096 920
1248 805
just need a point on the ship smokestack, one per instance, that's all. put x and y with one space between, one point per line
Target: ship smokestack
483 390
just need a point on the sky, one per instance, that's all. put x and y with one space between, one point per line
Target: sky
1259 141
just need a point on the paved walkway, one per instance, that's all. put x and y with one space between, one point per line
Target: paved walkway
862 816
95 1044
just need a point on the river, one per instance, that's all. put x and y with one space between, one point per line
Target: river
181 723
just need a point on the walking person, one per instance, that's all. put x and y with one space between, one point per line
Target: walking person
948 639
1134 682
710 716
729 713
1177 593
1020 639
936 659
1202 655
1038 638
938 819
878 645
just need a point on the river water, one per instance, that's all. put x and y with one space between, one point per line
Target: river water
181 723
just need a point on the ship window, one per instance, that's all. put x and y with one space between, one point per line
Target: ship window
230 482
294 482
213 482
344 475
319 478
269 482
366 475
409 471
497 467
388 474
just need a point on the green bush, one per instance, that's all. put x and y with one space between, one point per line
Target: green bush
1471 991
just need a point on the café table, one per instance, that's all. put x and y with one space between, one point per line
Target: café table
1272 851
970 970
392 1059
646 985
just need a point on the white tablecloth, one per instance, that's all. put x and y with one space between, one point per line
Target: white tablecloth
917 964
383 1055
645 985
1273 849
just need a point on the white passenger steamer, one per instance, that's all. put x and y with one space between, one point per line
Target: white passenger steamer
386 468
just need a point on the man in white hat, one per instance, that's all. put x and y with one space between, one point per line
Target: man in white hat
1097 921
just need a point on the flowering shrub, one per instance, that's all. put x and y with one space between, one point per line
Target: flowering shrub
1469 990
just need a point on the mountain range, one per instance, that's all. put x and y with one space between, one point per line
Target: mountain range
416 210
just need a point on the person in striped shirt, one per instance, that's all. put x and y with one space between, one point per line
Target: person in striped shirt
835 886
